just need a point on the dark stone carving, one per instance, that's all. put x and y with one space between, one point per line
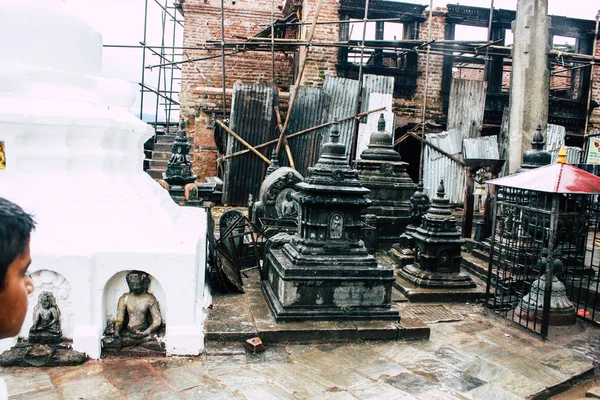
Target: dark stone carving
179 166
276 205
437 249
46 320
536 157
274 163
384 174
324 270
139 323
45 345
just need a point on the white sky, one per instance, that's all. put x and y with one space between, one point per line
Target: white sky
122 22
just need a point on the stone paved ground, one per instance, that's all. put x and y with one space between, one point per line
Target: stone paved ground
478 357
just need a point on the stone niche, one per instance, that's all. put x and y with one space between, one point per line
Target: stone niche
324 271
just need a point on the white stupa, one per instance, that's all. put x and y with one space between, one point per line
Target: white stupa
74 159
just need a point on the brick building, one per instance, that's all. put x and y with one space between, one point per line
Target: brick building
401 55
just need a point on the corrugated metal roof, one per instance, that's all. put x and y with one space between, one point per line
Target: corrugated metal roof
481 147
307 113
555 137
340 96
252 118
437 166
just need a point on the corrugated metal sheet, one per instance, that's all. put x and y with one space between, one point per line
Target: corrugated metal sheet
437 166
307 112
376 100
339 100
375 84
481 147
467 105
555 139
252 118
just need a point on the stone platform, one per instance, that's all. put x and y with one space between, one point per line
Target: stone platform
419 294
237 317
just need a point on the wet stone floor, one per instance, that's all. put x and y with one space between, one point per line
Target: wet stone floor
475 356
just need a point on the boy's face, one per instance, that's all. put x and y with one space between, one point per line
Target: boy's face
13 298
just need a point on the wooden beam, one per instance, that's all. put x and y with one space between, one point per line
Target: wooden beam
242 141
433 146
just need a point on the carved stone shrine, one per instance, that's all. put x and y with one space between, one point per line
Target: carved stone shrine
324 271
437 253
403 251
45 345
139 328
536 157
384 174
179 166
275 207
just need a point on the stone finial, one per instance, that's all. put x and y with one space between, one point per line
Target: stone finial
562 155
274 163
334 132
538 139
441 190
381 123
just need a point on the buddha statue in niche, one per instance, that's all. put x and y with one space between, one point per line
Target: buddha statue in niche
46 320
138 317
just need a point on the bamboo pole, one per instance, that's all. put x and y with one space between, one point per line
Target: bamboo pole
302 132
242 141
303 58
285 142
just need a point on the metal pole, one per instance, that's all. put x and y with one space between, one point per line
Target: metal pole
172 69
223 58
489 38
160 71
352 151
426 89
589 99
273 41
144 62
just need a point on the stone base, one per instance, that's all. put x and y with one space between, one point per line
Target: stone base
327 287
448 295
436 280
43 338
42 355
320 313
558 317
402 257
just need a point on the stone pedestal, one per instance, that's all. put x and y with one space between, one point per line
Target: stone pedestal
384 174
436 270
324 271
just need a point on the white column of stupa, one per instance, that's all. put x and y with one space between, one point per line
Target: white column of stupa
74 159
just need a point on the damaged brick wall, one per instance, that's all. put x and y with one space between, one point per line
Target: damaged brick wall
595 117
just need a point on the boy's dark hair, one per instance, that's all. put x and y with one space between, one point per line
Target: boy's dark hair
15 229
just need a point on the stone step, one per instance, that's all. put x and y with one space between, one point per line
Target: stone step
166 147
155 173
160 155
158 164
593 393
170 139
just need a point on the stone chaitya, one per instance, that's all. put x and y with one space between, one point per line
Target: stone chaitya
437 251
536 157
384 174
403 251
324 270
179 168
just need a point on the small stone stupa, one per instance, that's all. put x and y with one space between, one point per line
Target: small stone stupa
438 257
384 174
536 157
324 271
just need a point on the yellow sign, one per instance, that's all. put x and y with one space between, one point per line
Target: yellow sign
2 157
593 151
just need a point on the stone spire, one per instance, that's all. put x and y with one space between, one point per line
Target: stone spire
380 147
419 204
179 166
536 157
274 163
